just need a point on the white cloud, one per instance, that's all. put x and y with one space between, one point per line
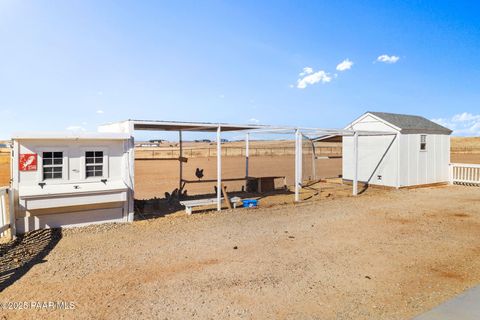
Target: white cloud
312 78
99 112
345 65
442 122
75 128
465 117
254 121
306 70
462 124
385 58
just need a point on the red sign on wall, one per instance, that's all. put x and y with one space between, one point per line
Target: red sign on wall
28 162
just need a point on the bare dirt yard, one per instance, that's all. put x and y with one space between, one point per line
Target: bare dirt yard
465 158
153 178
382 255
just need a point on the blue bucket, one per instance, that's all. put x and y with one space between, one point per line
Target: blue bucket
250 203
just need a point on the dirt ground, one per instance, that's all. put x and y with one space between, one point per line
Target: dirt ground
465 143
153 178
382 255
465 158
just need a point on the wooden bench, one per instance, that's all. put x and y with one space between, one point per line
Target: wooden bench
264 184
190 204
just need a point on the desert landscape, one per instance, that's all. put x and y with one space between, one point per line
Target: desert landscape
333 256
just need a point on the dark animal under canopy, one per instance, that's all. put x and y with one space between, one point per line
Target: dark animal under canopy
199 173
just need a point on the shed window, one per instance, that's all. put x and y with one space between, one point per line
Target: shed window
423 142
52 165
94 163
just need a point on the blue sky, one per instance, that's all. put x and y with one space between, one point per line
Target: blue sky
76 64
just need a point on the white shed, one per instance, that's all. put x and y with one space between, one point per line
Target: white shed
418 153
70 179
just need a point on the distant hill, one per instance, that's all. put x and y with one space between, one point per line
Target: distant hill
465 144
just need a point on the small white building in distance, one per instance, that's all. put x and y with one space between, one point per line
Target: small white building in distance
418 153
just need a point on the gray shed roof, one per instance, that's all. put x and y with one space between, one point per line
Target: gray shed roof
412 124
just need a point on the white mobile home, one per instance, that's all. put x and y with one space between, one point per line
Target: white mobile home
418 153
70 179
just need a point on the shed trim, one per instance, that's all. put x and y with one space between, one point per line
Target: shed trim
404 123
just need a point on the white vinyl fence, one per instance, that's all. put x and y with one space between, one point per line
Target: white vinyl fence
5 217
466 174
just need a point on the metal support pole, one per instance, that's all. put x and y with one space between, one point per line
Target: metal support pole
398 160
355 164
314 162
13 192
298 164
180 162
247 153
219 169
296 167
130 147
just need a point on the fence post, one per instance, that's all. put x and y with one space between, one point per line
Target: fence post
11 206
450 173
3 213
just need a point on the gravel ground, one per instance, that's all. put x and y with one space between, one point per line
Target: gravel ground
383 255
